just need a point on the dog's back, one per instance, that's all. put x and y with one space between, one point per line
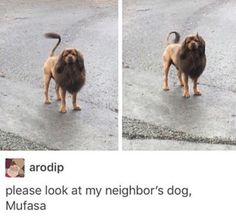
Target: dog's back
172 48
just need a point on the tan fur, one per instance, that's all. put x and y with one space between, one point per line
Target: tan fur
54 68
186 56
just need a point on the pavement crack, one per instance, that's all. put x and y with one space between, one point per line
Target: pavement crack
21 18
143 10
137 129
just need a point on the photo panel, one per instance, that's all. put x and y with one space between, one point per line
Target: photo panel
77 60
178 75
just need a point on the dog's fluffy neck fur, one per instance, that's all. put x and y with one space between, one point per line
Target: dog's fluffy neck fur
192 63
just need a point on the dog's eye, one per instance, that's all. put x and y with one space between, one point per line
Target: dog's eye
65 53
74 52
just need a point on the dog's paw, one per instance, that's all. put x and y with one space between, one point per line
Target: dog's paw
77 108
197 93
186 95
62 110
166 88
47 102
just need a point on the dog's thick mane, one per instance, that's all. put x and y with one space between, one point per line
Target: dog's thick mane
193 61
70 77
193 64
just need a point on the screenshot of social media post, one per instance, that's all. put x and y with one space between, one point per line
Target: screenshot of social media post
117 184
117 108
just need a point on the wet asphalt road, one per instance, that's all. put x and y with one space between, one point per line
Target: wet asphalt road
157 120
25 122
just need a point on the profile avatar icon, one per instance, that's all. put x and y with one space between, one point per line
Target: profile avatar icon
15 167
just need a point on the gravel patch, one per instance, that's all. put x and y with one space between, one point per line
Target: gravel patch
10 141
137 129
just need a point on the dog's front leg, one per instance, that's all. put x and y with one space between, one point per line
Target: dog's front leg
63 100
186 87
196 91
76 107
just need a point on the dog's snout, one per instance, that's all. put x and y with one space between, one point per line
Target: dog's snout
70 59
193 45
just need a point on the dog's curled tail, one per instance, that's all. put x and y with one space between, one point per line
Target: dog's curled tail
176 39
53 36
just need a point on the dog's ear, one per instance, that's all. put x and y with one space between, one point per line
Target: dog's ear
76 53
59 67
183 49
202 46
202 50
80 62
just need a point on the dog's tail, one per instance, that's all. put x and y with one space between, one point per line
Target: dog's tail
54 36
176 39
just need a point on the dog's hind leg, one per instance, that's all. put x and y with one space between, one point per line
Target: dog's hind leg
196 91
47 78
76 107
186 87
166 67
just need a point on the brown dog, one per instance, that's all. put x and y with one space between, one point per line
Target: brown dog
189 59
67 70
